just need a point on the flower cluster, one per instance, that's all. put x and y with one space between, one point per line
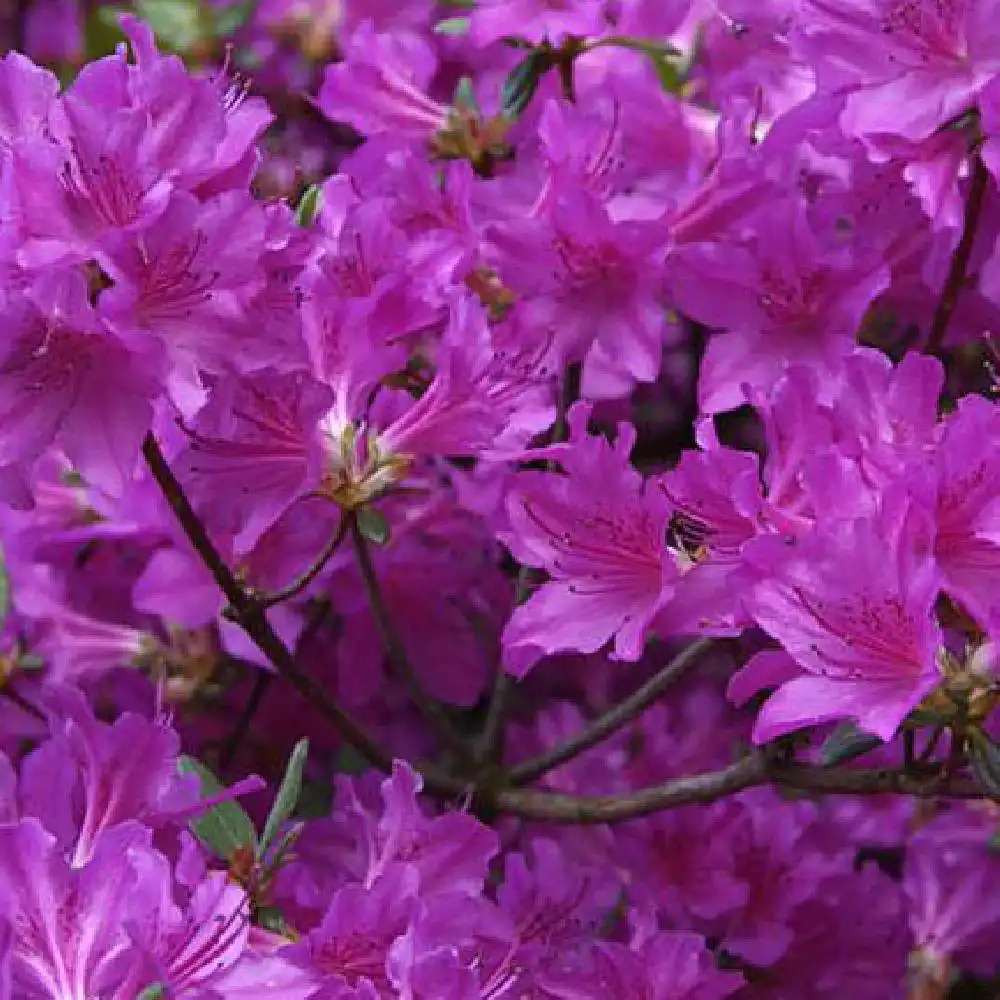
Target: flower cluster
418 378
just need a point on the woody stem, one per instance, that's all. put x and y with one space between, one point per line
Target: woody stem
249 615
399 661
957 272
613 719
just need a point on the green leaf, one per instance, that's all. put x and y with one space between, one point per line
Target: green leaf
670 66
101 32
452 26
522 82
271 919
373 526
465 95
287 842
845 743
229 20
671 76
309 206
153 992
178 24
288 795
653 49
225 827
984 758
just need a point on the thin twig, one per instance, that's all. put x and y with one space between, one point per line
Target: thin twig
399 661
297 586
253 619
16 698
613 719
489 747
978 184
261 682
875 781
932 742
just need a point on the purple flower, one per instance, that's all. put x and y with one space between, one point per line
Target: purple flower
783 298
484 398
254 449
852 605
182 289
189 944
967 542
536 20
658 965
347 953
106 776
68 925
600 535
953 914
450 853
907 66
380 86
598 282
56 364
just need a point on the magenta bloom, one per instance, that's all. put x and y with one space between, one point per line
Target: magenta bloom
449 853
600 535
852 606
908 66
380 86
68 938
950 875
597 281
486 397
184 288
784 298
56 364
188 937
348 952
967 545
536 20
658 965
129 135
108 776
716 499
254 449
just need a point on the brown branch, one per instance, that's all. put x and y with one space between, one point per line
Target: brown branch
612 720
399 661
752 771
248 614
955 281
489 747
555 807
874 781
